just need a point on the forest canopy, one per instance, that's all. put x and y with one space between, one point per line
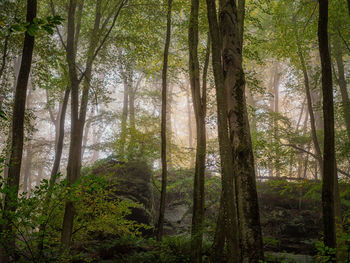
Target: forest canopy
174 131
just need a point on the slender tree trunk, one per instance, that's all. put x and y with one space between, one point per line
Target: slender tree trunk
60 137
276 84
199 105
124 116
17 138
309 105
160 223
329 169
229 214
342 86
190 132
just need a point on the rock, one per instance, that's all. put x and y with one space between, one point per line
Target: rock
130 181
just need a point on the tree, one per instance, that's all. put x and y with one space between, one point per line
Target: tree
17 135
199 99
227 225
329 176
160 223
242 152
78 110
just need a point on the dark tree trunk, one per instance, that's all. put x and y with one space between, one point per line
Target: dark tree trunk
124 114
199 105
160 223
229 214
243 160
15 160
329 169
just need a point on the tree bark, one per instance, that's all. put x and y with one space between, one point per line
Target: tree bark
329 169
160 223
243 160
229 214
199 105
10 198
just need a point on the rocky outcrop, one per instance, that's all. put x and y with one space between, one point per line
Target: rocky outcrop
131 181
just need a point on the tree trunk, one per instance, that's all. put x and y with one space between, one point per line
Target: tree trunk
243 160
199 105
163 125
276 84
329 169
342 86
10 199
60 137
77 118
124 116
229 217
190 132
309 104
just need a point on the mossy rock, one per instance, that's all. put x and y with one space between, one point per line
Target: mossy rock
129 181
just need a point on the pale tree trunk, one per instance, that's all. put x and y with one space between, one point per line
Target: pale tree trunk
228 220
276 84
329 170
190 132
60 137
160 223
28 160
199 98
342 86
10 199
124 118
243 159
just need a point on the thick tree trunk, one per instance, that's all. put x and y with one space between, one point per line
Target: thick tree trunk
243 160
229 214
160 223
329 169
17 137
199 105
342 86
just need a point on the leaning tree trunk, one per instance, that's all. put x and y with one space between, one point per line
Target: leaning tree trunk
228 217
329 169
199 105
160 223
10 199
242 151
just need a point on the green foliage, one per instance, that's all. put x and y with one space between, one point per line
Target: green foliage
38 218
48 24
324 253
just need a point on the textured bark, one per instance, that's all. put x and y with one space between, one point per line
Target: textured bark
15 159
229 214
199 105
243 160
329 169
342 86
160 223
